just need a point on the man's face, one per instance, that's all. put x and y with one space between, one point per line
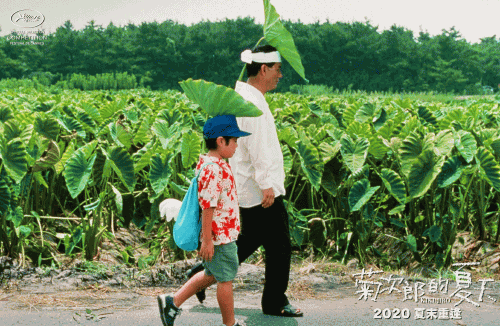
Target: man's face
273 75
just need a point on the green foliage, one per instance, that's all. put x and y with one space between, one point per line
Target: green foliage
360 165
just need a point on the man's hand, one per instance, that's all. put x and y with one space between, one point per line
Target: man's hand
207 250
268 199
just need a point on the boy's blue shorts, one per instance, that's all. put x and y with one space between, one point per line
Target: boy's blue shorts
224 263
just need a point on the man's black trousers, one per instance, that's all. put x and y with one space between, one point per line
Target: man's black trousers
268 227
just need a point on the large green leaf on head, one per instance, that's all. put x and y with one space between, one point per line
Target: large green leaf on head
277 35
360 194
353 152
217 99
423 173
489 166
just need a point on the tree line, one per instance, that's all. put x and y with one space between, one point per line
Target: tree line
340 55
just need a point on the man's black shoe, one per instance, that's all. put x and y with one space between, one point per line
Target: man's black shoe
190 273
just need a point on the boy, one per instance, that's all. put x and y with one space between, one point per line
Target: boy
220 223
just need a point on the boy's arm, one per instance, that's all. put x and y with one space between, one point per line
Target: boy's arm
207 244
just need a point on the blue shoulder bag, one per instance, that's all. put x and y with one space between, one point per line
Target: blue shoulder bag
187 226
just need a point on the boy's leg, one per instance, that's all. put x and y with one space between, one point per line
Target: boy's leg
249 240
226 302
169 306
195 284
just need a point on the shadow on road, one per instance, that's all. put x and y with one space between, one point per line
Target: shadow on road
254 317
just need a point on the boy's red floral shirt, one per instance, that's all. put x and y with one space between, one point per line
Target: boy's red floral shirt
216 188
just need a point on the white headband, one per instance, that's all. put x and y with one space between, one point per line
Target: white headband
248 57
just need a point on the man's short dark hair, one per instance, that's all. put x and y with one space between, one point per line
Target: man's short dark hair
254 67
211 143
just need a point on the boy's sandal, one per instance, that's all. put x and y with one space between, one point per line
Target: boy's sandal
288 311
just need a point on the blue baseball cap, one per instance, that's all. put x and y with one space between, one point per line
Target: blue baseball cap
222 125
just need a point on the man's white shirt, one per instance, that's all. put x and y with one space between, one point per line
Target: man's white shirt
257 163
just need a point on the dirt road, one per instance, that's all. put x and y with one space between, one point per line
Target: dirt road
325 301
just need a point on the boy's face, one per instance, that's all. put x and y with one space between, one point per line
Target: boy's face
227 150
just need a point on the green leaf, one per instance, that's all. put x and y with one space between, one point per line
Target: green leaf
120 135
423 172
70 149
412 147
434 233
142 133
190 148
16 216
217 99
277 35
394 184
310 162
489 166
287 158
24 231
5 114
411 242
70 124
92 206
365 113
398 223
159 173
118 200
466 144
444 143
143 156
49 159
360 194
122 164
298 235
5 195
13 154
77 172
354 153
425 114
451 172
167 134
47 126
397 209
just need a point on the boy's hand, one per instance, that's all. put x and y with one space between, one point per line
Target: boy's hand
207 250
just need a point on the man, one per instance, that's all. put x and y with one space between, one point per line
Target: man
258 169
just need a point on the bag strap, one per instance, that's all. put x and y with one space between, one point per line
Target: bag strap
201 169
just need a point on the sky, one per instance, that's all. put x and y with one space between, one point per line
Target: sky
473 19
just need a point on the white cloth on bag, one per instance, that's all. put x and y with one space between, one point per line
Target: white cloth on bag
257 163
